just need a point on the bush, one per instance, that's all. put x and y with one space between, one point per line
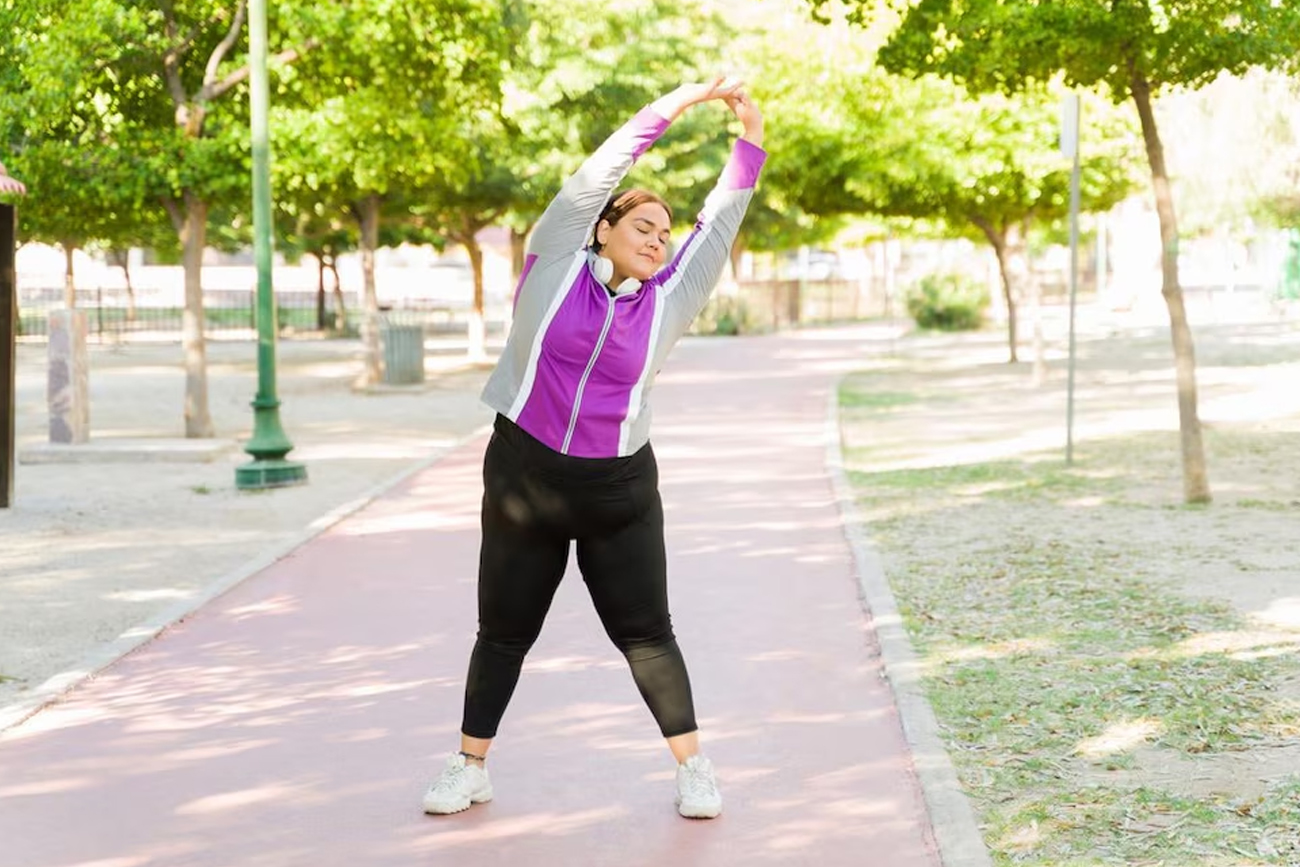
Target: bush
948 302
726 316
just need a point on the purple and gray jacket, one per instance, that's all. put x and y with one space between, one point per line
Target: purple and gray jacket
580 363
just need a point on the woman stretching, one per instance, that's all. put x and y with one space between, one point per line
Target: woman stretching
596 314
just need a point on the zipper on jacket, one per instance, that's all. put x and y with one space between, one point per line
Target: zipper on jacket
582 383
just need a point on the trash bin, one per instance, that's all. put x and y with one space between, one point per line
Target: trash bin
403 353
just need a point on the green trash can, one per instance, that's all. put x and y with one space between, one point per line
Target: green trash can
1289 286
403 353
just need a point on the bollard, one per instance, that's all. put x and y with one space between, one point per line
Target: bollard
69 378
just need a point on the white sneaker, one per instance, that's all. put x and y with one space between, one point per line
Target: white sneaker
698 796
460 785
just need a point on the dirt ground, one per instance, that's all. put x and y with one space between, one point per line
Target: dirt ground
928 405
91 550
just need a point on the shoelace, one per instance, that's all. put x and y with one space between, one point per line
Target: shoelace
450 779
700 782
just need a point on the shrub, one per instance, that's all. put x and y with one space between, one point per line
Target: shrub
948 302
725 315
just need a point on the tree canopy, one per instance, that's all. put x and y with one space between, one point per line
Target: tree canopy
1127 49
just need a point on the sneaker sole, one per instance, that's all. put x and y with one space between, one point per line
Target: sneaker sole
699 812
442 810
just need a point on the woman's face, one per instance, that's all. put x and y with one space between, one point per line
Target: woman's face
638 243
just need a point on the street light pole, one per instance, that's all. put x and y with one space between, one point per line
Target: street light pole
1070 147
269 444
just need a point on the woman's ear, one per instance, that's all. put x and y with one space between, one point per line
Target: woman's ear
602 232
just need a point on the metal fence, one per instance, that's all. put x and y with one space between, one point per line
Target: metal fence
115 314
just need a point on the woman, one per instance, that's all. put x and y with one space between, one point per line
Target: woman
596 314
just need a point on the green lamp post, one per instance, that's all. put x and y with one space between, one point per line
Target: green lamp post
269 444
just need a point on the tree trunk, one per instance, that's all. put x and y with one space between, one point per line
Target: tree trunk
193 236
1034 289
122 259
997 236
518 258
518 253
69 279
367 212
320 292
340 304
477 325
1196 485
736 254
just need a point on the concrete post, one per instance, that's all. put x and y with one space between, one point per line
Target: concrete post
69 378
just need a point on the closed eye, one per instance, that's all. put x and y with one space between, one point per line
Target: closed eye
645 227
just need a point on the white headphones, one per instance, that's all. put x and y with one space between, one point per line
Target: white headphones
603 270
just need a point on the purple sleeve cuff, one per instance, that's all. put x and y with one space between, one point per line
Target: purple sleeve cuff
742 169
646 127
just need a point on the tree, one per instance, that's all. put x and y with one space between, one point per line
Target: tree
308 226
89 193
197 40
461 203
165 79
1135 49
835 120
90 188
389 105
991 164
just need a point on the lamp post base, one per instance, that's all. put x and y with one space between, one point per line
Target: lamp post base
263 474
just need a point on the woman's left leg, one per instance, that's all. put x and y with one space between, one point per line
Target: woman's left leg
626 574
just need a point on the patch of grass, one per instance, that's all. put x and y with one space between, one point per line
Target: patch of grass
1149 827
940 477
1049 650
851 398
201 489
1267 505
1015 480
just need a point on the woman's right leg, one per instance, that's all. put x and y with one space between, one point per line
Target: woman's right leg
521 561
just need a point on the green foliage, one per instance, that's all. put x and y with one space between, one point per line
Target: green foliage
990 162
67 132
830 124
577 76
725 316
1009 45
1119 50
947 302
390 102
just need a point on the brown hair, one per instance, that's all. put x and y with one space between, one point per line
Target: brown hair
618 207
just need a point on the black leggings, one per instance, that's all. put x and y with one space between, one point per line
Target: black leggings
535 501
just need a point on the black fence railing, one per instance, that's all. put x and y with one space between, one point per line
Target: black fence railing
114 314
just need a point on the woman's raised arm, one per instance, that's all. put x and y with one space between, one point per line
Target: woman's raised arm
566 225
695 270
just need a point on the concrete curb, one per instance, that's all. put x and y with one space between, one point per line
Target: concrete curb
97 660
952 820
129 450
